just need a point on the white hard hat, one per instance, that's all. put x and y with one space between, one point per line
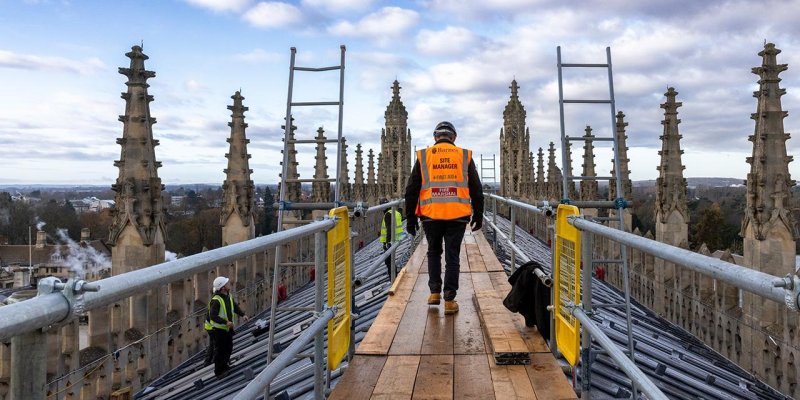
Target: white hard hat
219 282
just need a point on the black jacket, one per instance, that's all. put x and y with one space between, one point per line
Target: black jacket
214 312
530 297
415 185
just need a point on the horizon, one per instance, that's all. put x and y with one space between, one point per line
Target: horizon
454 61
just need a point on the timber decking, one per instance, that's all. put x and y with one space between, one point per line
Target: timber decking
414 351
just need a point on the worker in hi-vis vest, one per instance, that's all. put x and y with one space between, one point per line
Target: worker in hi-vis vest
386 226
444 191
220 319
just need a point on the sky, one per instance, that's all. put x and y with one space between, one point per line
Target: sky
454 59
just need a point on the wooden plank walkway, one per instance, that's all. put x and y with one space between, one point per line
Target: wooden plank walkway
414 351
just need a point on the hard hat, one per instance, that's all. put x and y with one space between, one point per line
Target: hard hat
445 128
219 282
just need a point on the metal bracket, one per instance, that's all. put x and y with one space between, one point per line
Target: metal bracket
619 202
72 290
791 284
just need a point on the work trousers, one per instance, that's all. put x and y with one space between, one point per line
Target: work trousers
388 260
212 346
223 347
451 233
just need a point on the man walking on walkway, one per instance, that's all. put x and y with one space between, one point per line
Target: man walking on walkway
444 190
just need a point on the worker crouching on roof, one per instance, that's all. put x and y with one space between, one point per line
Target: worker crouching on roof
220 319
445 187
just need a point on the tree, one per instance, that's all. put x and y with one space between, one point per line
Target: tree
710 229
60 216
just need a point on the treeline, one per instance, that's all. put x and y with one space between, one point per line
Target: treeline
715 215
191 225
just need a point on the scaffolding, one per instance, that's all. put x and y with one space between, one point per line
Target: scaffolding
288 143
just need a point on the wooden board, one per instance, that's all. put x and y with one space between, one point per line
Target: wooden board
476 263
467 332
481 282
417 258
434 378
511 381
438 337
506 343
471 377
409 339
463 260
359 378
500 282
533 338
382 331
397 378
547 378
489 258
397 280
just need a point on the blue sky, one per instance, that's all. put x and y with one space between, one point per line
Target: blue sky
454 59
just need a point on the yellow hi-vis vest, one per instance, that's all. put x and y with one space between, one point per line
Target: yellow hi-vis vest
398 227
223 312
445 191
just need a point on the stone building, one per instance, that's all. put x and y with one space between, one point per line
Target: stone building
394 160
516 168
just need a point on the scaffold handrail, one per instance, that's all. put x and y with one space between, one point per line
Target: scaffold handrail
49 309
784 290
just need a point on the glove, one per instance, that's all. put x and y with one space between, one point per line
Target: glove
411 226
476 223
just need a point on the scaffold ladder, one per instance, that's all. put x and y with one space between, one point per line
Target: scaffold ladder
618 204
279 263
485 177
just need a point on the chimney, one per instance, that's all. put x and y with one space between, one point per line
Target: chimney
22 277
86 235
41 239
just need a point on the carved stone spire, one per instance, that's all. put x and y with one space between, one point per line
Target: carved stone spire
671 185
238 199
138 219
767 226
358 187
372 187
573 193
622 138
395 165
554 177
321 190
515 165
768 183
540 182
344 177
588 187
293 189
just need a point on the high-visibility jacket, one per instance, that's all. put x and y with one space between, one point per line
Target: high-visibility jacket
398 227
444 193
223 313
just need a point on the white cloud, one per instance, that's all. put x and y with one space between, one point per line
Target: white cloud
258 56
220 5
192 85
338 5
13 60
273 15
388 22
449 41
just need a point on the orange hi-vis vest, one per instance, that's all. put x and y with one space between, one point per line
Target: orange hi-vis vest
445 190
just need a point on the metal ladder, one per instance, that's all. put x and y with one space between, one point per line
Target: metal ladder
485 176
282 208
618 204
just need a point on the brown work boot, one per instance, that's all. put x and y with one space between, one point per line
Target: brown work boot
450 307
434 298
